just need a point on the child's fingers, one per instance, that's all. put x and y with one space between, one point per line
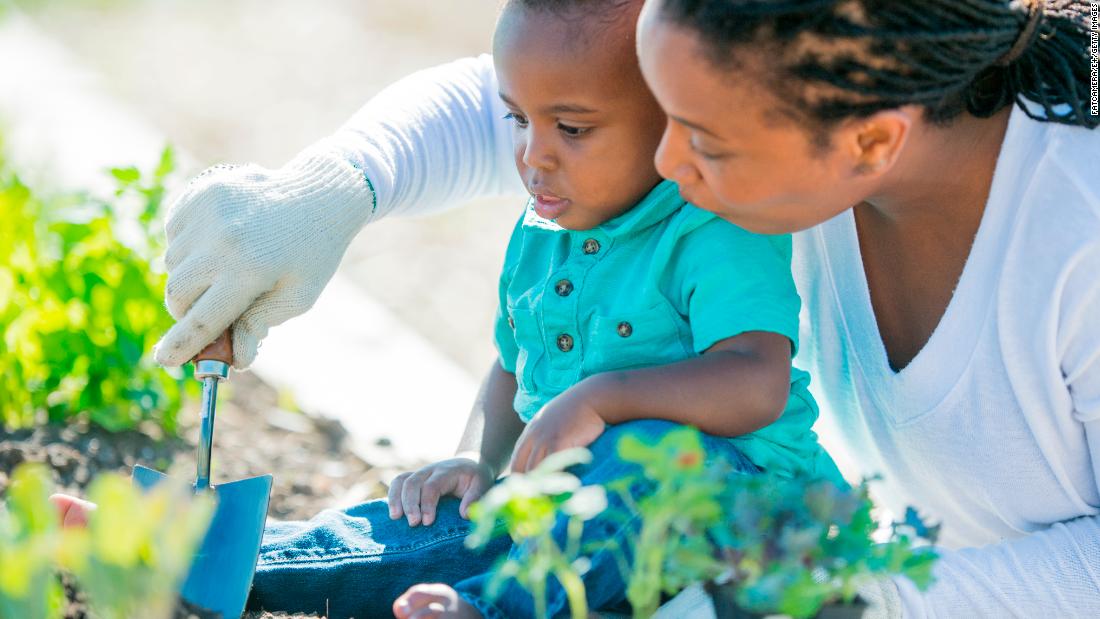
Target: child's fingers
436 486
72 511
410 496
473 493
394 496
519 455
464 505
537 453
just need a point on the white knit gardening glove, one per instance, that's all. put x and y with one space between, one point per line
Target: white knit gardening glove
883 599
251 248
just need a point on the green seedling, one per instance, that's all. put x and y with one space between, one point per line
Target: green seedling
129 560
527 506
792 546
30 540
681 502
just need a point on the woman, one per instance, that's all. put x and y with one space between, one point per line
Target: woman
938 159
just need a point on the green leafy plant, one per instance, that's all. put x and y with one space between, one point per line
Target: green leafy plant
30 539
763 543
671 550
526 506
792 546
129 560
80 309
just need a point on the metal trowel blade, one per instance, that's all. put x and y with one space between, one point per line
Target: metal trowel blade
220 577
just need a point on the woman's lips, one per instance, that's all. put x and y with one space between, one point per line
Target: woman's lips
550 207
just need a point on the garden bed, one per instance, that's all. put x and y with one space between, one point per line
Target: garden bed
308 456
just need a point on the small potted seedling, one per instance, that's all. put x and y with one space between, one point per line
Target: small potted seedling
804 549
527 507
679 500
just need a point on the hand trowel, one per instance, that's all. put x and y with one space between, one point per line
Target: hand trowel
221 575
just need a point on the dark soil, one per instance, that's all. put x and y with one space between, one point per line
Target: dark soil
308 456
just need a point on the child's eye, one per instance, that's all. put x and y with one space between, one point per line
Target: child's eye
516 118
573 132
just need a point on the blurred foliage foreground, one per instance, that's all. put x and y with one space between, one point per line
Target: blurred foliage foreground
80 309
127 562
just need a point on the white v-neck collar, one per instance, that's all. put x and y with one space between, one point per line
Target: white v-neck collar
922 384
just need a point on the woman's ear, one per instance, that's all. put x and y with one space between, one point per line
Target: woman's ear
874 143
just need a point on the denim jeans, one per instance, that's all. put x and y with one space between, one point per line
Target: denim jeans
355 562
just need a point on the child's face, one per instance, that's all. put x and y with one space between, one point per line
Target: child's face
585 125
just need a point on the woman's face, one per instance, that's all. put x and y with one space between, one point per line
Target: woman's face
730 150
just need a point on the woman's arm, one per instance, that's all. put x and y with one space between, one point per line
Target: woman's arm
1049 573
433 140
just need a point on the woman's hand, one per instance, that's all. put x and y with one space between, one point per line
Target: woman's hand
250 248
569 420
416 494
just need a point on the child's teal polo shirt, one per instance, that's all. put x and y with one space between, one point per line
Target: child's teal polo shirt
658 284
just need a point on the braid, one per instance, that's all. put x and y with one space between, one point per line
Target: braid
841 58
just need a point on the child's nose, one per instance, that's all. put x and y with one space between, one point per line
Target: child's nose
538 154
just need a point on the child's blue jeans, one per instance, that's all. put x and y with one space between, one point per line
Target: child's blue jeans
356 562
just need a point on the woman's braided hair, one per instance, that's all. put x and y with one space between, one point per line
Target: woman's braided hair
836 59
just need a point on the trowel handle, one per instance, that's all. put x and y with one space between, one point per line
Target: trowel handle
215 359
211 367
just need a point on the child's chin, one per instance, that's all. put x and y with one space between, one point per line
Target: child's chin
576 224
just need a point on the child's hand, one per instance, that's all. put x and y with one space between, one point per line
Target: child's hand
568 420
416 494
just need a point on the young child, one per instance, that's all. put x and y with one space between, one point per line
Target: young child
622 310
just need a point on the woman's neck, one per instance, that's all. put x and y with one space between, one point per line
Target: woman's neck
944 174
915 235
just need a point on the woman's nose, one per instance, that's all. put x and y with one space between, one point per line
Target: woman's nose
672 158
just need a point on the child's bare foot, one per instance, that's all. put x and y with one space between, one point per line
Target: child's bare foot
429 601
74 512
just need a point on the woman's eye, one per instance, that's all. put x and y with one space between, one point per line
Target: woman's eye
573 132
519 120
711 156
707 155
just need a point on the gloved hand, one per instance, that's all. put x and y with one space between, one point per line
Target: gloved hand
882 597
251 248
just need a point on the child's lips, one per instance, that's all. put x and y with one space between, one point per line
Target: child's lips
549 206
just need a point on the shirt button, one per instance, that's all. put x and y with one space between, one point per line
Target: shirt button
565 342
564 288
625 329
591 246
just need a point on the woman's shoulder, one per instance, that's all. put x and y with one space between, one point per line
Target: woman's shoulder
1047 189
1050 262
1066 167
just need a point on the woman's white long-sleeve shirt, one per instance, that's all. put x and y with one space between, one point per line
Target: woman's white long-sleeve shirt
993 429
